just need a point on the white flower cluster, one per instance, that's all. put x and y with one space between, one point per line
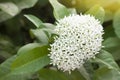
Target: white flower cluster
80 38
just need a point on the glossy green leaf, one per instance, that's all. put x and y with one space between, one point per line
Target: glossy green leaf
116 23
22 4
57 75
5 67
53 75
40 35
75 75
49 26
10 8
109 70
32 66
72 11
44 33
25 49
106 74
60 11
6 73
98 12
37 22
111 42
115 51
84 72
112 45
106 59
31 58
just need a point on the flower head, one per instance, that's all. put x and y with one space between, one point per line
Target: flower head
80 38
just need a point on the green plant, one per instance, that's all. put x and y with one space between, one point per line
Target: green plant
32 60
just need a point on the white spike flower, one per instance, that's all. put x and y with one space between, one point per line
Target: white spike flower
80 38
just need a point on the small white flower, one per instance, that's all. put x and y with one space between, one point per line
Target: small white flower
80 38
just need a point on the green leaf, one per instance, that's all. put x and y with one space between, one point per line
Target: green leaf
75 75
32 66
98 12
10 8
40 35
72 10
53 75
31 58
106 59
60 11
37 22
111 42
116 23
115 51
5 67
44 33
109 70
58 75
84 72
5 71
49 26
23 4
106 74
28 47
87 70
112 45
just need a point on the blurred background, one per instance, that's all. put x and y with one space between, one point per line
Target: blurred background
14 27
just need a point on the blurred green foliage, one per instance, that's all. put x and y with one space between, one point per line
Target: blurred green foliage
14 29
10 8
30 62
